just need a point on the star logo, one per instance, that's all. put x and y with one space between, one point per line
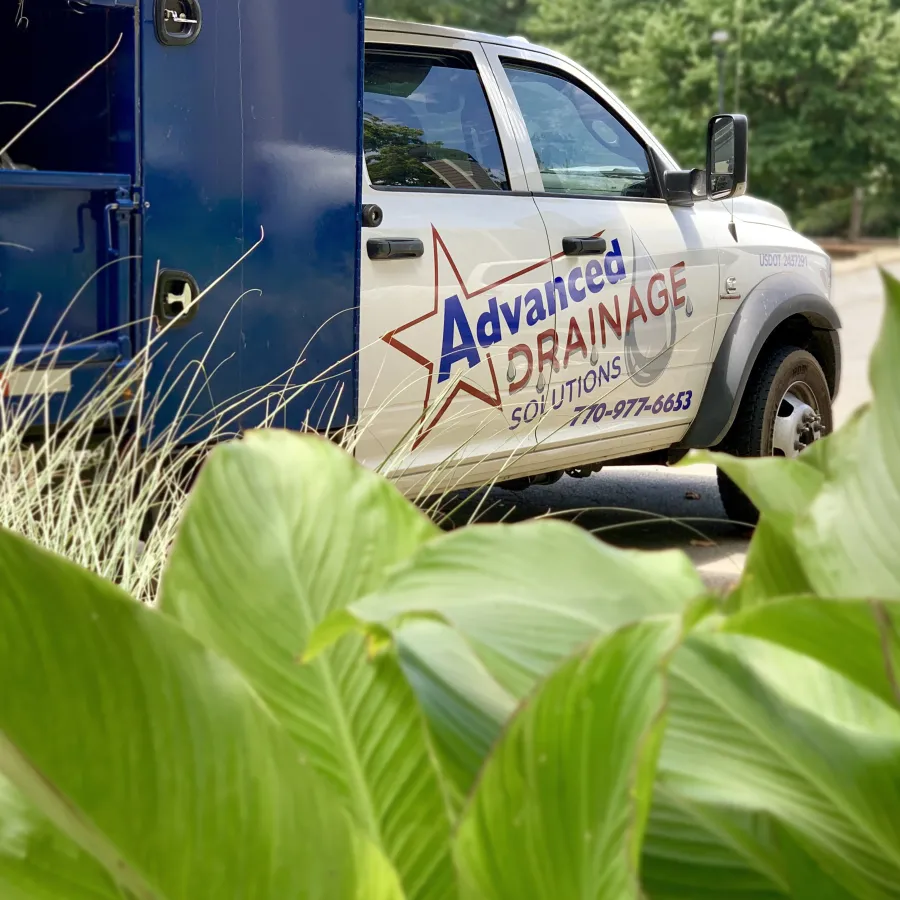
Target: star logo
488 389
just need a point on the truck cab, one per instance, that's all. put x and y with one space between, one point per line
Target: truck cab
544 290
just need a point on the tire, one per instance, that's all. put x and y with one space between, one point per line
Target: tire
774 418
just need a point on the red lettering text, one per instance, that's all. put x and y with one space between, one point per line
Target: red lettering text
548 356
615 324
677 284
521 350
575 341
635 309
662 294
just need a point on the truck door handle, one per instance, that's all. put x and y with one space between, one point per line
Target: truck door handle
395 248
583 246
178 22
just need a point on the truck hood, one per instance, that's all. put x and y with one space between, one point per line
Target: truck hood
752 209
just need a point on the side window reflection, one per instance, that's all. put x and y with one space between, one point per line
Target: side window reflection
427 123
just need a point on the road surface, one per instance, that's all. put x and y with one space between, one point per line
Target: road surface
653 507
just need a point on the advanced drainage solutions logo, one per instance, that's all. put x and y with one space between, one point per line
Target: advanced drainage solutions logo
537 322
650 342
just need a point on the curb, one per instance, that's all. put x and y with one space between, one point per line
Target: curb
866 260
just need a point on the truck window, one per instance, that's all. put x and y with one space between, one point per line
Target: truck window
581 147
427 123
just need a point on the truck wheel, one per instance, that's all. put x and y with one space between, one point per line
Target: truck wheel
785 408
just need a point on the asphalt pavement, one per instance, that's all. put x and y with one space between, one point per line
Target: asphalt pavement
653 507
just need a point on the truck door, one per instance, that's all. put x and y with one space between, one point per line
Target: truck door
250 125
445 273
630 322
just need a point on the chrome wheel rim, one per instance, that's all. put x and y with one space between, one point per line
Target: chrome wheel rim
798 421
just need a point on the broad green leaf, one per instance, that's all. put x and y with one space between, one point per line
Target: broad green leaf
693 851
38 862
758 737
526 596
697 852
854 637
522 598
559 811
838 504
772 568
148 751
781 489
377 879
848 538
466 708
283 531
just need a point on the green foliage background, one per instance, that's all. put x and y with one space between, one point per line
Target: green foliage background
819 79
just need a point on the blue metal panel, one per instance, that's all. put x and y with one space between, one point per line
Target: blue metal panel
256 125
51 248
63 296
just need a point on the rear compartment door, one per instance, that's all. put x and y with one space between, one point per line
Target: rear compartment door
250 148
66 195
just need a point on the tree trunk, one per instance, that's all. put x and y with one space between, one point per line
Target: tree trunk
856 214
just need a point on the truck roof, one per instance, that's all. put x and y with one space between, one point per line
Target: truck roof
462 34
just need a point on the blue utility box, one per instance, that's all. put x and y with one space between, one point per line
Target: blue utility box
209 122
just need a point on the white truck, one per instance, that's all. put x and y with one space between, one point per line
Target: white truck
545 291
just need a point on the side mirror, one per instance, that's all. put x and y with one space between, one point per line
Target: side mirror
726 157
684 186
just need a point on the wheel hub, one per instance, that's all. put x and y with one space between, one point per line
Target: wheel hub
798 423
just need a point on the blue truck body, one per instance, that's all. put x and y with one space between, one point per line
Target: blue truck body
173 156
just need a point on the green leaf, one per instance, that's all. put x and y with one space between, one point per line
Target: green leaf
328 632
781 489
757 728
847 539
526 596
148 751
560 809
521 598
466 708
854 637
837 504
772 568
38 862
693 851
282 532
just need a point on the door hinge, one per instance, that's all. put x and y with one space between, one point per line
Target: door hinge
126 204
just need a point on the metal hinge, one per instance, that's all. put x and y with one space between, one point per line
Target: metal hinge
125 204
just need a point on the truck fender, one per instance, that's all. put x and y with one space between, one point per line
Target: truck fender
768 305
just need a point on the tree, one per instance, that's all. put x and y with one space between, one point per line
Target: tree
820 81
575 27
495 16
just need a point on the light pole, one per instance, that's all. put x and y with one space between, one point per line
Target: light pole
719 40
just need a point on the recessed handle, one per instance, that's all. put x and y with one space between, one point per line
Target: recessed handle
583 246
176 297
178 22
395 248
